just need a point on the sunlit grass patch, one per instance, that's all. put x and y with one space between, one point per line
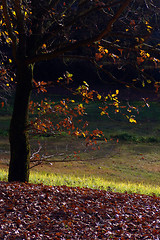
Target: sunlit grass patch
89 182
94 182
3 175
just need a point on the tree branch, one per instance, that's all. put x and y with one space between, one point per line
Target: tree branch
151 49
73 46
20 25
79 16
113 20
9 27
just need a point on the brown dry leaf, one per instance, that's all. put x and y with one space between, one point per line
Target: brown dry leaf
29 211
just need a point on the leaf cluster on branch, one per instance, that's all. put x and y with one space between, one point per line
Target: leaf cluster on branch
106 33
103 32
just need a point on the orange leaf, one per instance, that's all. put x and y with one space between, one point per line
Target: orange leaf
121 50
98 56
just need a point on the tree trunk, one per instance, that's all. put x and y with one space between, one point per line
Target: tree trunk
18 134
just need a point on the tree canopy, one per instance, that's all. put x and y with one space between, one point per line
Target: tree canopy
106 33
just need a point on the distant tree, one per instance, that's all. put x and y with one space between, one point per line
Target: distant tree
36 30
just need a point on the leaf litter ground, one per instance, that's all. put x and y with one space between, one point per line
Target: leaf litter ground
29 211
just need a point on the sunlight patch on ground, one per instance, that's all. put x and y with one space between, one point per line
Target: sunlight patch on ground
88 182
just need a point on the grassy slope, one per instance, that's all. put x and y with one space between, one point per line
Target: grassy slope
122 167
134 159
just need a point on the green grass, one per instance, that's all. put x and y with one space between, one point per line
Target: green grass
136 163
89 182
4 124
147 128
121 162
131 165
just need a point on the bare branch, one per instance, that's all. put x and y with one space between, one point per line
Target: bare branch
151 49
74 19
20 25
73 46
113 20
34 154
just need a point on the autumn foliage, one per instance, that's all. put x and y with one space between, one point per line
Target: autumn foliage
58 212
105 33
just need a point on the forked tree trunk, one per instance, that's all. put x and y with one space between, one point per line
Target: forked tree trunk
18 135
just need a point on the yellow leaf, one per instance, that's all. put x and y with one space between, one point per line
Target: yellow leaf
44 45
102 113
117 91
148 30
8 40
132 120
142 52
101 49
83 134
72 101
10 60
99 96
69 75
143 84
116 104
86 83
80 105
16 32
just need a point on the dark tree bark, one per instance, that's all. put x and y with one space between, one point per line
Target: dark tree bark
18 134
